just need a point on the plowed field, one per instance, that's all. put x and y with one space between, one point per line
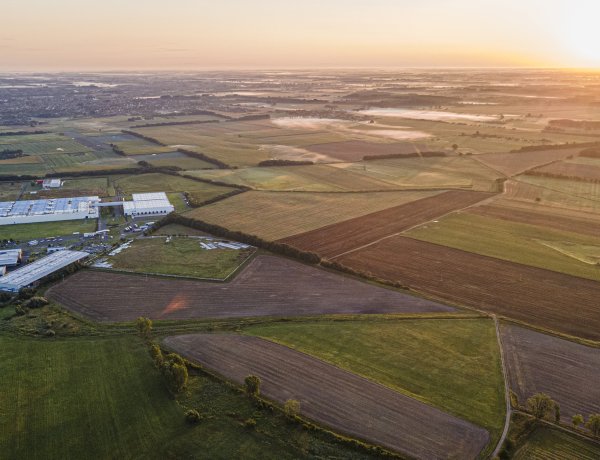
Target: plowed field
268 286
342 400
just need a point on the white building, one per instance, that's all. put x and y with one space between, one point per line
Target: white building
48 210
30 273
10 257
51 183
148 204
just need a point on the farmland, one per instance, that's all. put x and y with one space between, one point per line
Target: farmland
560 193
110 388
411 356
180 256
429 172
276 215
357 150
317 178
333 240
524 293
512 164
539 246
564 370
569 170
25 232
551 444
336 398
141 183
255 291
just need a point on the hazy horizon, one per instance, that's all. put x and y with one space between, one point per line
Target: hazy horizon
265 34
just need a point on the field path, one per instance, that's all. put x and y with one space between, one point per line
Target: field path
506 390
337 398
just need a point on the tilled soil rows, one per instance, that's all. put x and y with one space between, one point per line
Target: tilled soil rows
267 286
344 401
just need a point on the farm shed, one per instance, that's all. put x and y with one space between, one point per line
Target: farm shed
30 273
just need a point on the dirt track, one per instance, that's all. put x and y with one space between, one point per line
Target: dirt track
336 239
567 371
541 297
344 401
268 286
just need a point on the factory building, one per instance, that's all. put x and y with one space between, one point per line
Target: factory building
35 271
48 210
51 183
10 257
148 204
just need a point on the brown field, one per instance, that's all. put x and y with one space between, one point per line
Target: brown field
570 170
267 286
356 150
574 195
536 296
541 217
336 239
516 163
564 370
337 398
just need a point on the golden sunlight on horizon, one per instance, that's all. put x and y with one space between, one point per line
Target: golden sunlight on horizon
186 34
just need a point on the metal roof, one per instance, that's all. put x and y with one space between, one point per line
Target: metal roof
153 196
34 271
10 256
47 206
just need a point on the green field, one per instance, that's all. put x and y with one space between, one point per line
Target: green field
431 172
551 444
177 229
275 215
183 162
181 256
452 364
141 147
542 247
25 232
567 193
89 186
103 398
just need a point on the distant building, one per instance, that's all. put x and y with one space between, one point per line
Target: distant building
148 204
48 210
10 257
51 183
35 271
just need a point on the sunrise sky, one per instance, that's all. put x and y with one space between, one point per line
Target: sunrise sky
199 34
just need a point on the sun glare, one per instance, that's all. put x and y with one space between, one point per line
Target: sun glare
581 37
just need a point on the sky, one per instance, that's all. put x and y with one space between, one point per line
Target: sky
65 35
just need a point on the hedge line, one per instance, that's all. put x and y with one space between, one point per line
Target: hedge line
403 155
201 156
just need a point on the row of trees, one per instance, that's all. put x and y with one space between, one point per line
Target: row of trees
543 407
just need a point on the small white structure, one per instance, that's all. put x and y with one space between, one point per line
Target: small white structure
49 210
30 273
10 257
148 204
52 183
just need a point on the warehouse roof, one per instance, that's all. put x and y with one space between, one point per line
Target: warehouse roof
153 196
10 256
34 271
47 206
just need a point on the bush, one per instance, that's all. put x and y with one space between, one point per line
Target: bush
20 310
249 423
36 302
26 293
252 383
193 417
50 333
175 372
291 408
157 355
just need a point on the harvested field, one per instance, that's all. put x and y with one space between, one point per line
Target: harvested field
551 444
542 217
562 369
560 193
277 215
344 401
357 150
512 164
268 286
338 238
536 296
568 170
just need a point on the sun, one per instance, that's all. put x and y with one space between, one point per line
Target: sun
581 35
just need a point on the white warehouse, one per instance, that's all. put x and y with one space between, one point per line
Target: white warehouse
30 273
148 204
48 210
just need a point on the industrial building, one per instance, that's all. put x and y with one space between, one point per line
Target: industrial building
51 183
48 210
148 204
10 257
30 273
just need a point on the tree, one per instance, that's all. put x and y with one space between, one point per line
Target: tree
577 420
593 424
540 405
252 383
157 355
175 372
144 326
291 408
556 413
455 147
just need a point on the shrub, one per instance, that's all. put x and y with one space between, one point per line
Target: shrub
175 372
593 424
50 333
291 408
193 417
36 302
249 423
252 383
577 420
20 310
